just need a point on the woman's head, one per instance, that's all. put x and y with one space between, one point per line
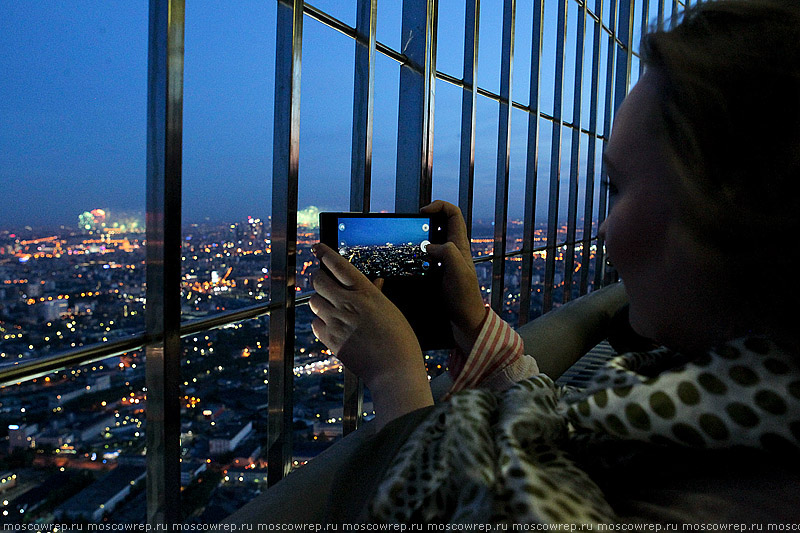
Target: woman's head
705 152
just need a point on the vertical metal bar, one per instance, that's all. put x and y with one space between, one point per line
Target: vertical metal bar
532 166
163 313
469 98
574 167
660 14
625 34
503 156
590 157
361 166
600 264
415 116
286 140
645 24
674 11
555 160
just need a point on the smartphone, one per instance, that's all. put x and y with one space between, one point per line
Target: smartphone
385 245
393 246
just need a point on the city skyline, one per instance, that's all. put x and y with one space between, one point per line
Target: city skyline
309 211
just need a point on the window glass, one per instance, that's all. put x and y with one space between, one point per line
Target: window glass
447 142
486 118
490 46
227 156
523 37
224 398
389 23
71 435
516 179
73 165
384 137
344 10
450 38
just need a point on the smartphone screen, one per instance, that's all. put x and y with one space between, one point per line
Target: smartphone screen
393 246
387 246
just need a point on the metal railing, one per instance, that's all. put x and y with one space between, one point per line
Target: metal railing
418 76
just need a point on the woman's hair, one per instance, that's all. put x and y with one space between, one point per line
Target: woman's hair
731 106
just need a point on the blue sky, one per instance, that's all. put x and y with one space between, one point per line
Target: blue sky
73 123
371 231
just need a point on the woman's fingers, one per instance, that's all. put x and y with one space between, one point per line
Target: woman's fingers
318 328
339 267
320 306
447 253
326 286
456 227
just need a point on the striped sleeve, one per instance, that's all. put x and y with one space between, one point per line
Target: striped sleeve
497 359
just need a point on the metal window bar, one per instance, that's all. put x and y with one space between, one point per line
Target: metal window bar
345 29
503 157
361 167
624 60
469 98
402 59
590 160
600 263
531 165
286 140
643 25
555 159
166 46
415 115
572 206
163 259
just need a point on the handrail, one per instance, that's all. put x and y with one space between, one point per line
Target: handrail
103 350
78 356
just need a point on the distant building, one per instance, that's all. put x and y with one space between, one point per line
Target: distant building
53 309
102 496
228 437
54 437
245 475
328 430
98 383
34 289
31 500
93 426
21 436
214 412
190 469
64 397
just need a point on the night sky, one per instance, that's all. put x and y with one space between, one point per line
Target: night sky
74 93
372 231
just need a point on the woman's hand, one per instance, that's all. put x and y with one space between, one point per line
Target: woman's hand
461 288
370 335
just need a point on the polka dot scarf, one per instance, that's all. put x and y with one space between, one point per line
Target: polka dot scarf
499 457
746 393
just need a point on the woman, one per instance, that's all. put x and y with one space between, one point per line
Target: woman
702 164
